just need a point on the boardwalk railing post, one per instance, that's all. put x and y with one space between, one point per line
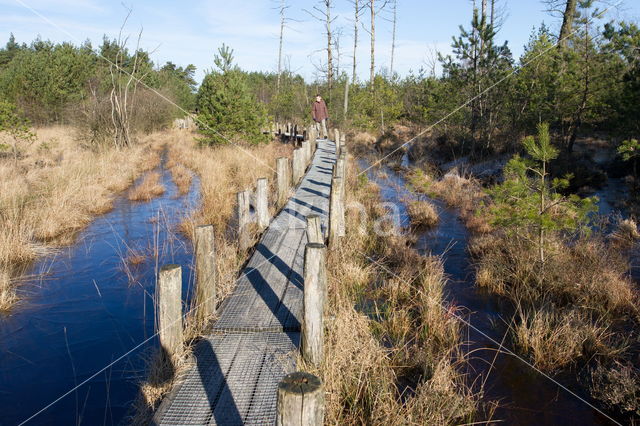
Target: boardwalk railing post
336 212
305 153
262 203
339 172
314 294
298 168
283 174
170 309
244 238
300 400
205 273
314 229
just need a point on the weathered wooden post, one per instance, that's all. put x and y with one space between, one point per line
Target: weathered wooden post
262 203
205 273
305 153
283 174
300 400
315 283
336 136
314 229
170 309
339 171
336 212
298 167
244 238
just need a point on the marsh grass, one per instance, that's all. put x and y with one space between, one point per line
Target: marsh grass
577 310
422 213
55 188
391 350
150 188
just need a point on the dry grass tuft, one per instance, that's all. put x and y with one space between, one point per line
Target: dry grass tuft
618 385
148 189
626 234
182 177
422 213
558 340
162 372
460 192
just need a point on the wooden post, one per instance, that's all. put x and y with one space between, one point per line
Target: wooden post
336 213
298 167
244 239
305 153
315 283
205 273
262 203
309 152
300 400
336 136
170 309
314 229
283 174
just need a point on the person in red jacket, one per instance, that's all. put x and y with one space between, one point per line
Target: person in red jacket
320 115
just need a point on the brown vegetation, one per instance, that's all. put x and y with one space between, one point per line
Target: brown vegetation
404 339
148 189
56 187
457 191
422 213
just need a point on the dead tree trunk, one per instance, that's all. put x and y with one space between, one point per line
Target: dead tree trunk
393 36
329 48
282 9
372 32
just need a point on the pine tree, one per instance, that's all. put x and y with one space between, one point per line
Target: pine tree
528 204
226 108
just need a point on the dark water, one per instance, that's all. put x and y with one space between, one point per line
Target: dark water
525 396
85 311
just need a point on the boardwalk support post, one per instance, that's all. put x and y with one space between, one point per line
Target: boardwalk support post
244 238
298 168
314 229
262 203
315 283
336 211
170 309
283 173
300 400
306 153
205 273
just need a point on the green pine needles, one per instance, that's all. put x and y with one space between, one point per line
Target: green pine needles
528 204
227 110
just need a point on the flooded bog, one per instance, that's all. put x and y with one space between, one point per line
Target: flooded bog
524 396
87 316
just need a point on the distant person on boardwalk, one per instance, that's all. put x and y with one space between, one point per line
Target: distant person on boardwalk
320 115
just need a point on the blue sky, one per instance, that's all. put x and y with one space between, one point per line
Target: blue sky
190 32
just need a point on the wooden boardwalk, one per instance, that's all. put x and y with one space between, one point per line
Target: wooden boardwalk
255 341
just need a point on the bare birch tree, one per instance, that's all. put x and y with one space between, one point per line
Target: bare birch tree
322 12
393 33
372 34
283 7
357 12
